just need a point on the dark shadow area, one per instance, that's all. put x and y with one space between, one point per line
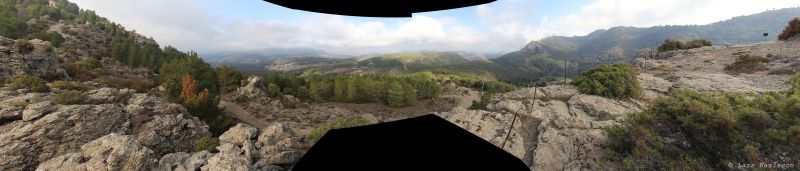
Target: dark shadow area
374 8
420 143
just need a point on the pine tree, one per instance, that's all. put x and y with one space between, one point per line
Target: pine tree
320 90
188 88
133 55
201 104
339 90
410 94
229 78
352 89
302 92
395 95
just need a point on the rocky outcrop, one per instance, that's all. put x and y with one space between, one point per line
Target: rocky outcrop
278 145
42 61
230 157
550 133
653 83
238 135
703 69
254 88
493 127
45 130
600 107
163 127
715 82
243 147
110 152
12 104
34 111
59 132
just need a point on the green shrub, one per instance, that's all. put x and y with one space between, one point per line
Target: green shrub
609 80
220 124
794 83
18 103
688 130
85 70
12 28
344 122
67 85
54 37
273 90
791 30
69 98
35 84
207 143
483 103
747 64
24 46
669 45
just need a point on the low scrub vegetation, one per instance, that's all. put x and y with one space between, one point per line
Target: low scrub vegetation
23 46
12 27
609 80
128 81
69 98
688 130
207 143
696 44
85 70
748 64
671 44
791 30
67 85
53 37
34 84
483 103
344 122
794 82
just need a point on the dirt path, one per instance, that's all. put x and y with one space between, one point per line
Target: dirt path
236 111
463 100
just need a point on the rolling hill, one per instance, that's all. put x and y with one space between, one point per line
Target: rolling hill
546 57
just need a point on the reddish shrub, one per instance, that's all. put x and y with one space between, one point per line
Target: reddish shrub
792 29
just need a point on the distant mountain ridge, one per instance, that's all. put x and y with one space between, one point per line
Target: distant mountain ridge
545 58
264 54
621 44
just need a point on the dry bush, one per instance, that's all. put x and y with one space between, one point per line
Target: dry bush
791 30
67 85
69 98
129 81
748 64
696 44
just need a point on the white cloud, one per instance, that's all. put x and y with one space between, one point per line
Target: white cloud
502 26
609 13
187 25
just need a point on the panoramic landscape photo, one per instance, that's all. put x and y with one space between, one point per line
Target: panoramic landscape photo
474 85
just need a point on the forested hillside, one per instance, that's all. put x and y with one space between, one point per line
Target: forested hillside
92 48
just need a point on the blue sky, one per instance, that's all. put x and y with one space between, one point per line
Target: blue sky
503 26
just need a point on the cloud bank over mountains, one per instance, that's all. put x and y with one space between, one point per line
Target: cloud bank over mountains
498 27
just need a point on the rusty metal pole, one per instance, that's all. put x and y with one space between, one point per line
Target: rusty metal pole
514 119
